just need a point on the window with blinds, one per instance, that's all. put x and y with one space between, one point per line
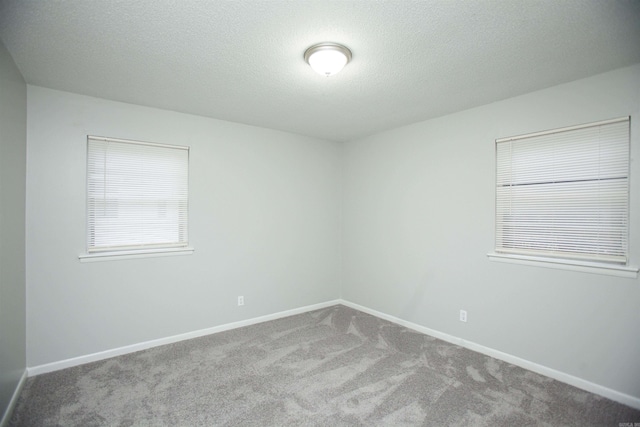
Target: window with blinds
137 195
565 193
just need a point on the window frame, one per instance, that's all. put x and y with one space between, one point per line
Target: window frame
142 249
563 260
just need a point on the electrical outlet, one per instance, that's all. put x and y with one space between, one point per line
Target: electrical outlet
463 315
240 300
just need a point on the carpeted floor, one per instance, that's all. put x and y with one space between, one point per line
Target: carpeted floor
331 367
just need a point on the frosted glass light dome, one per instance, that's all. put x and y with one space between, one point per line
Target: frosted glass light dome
327 59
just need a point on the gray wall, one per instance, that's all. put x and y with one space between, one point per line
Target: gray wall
419 221
13 141
416 210
264 222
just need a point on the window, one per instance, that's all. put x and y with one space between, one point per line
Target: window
137 196
564 193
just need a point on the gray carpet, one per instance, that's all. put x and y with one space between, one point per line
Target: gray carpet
330 367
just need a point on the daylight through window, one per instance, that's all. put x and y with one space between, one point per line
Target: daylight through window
565 193
137 195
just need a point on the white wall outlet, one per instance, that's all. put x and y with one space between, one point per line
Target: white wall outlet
240 300
463 315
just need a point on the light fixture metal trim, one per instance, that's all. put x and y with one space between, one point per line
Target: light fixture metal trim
327 46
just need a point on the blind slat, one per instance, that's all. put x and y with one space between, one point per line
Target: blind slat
137 195
565 193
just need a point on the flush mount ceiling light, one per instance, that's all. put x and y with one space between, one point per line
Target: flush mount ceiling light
327 58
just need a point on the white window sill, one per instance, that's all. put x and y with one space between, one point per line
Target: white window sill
142 253
562 264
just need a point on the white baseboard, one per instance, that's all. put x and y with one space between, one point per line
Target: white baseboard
617 396
94 357
14 399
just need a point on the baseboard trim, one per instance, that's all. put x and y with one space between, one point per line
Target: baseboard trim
14 400
94 357
617 396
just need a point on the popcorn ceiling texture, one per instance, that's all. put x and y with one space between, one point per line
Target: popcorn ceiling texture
331 367
242 60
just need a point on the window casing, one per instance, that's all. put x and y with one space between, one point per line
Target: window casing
565 193
137 195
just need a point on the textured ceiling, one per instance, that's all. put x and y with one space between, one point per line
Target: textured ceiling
242 60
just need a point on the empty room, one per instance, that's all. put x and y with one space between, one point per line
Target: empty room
317 212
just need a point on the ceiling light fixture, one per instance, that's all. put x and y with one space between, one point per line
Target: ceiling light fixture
327 58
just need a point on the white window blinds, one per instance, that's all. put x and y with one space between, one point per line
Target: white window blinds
565 193
137 195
